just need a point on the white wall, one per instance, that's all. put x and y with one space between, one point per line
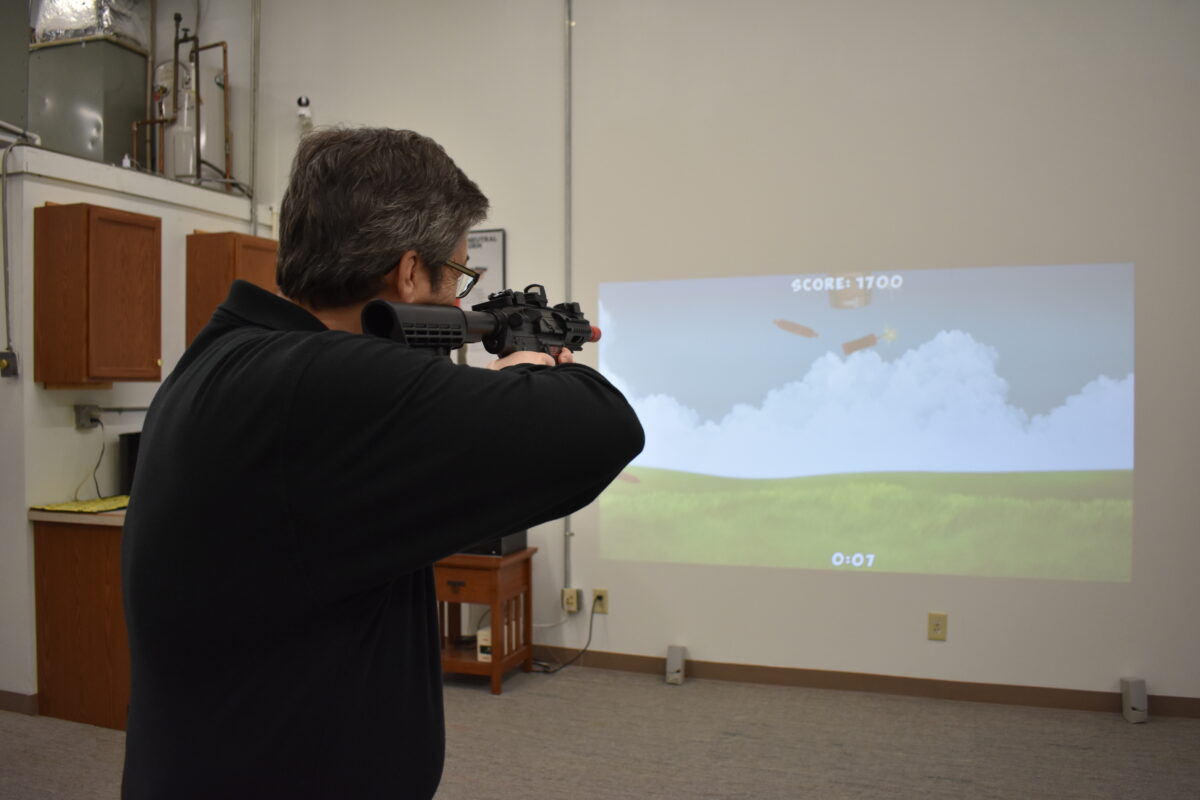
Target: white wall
483 79
844 135
17 654
923 134
775 137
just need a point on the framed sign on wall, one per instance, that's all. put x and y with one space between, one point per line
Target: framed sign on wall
485 254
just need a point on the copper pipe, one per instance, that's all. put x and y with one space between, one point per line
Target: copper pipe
140 123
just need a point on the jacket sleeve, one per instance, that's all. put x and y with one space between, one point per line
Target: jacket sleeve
399 458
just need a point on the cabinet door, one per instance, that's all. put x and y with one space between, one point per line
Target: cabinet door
82 642
255 259
60 347
209 274
124 295
214 261
96 299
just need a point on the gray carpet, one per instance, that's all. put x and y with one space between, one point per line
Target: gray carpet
600 734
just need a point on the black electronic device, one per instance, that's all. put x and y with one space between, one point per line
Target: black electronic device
128 459
501 546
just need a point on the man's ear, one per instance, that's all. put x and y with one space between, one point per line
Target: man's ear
403 280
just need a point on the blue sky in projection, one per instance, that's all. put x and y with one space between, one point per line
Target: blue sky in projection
978 369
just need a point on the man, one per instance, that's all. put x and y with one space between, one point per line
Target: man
296 481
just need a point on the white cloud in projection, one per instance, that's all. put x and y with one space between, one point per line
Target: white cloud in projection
940 407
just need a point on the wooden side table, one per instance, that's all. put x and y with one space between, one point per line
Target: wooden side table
504 583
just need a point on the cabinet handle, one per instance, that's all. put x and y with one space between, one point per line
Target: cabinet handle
456 585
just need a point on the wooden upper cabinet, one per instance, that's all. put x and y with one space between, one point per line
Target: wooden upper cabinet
214 261
97 298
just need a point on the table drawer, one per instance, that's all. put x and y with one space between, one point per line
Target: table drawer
456 585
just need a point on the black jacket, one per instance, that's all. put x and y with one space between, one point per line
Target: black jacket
294 486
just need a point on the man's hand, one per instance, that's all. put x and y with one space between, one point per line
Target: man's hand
532 357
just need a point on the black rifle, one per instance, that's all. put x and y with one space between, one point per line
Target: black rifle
507 322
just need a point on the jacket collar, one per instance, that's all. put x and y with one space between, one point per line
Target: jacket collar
256 306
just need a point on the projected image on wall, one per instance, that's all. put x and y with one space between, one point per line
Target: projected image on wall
971 421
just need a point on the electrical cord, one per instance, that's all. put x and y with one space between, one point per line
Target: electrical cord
545 668
225 178
487 612
95 469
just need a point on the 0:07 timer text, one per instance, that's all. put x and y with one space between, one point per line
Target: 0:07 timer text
854 559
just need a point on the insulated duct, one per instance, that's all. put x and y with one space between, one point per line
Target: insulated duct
57 21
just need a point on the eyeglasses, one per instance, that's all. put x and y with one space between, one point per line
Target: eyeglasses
467 278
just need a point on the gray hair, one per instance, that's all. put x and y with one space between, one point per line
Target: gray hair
358 199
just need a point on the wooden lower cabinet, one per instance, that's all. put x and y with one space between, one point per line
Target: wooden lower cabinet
82 643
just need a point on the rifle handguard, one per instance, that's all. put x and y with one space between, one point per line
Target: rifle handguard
507 322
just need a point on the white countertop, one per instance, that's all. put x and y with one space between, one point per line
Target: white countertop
115 519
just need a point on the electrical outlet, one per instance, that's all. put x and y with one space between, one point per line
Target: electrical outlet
937 627
87 416
8 364
600 600
571 599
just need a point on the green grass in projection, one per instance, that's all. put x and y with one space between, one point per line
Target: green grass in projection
1065 525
